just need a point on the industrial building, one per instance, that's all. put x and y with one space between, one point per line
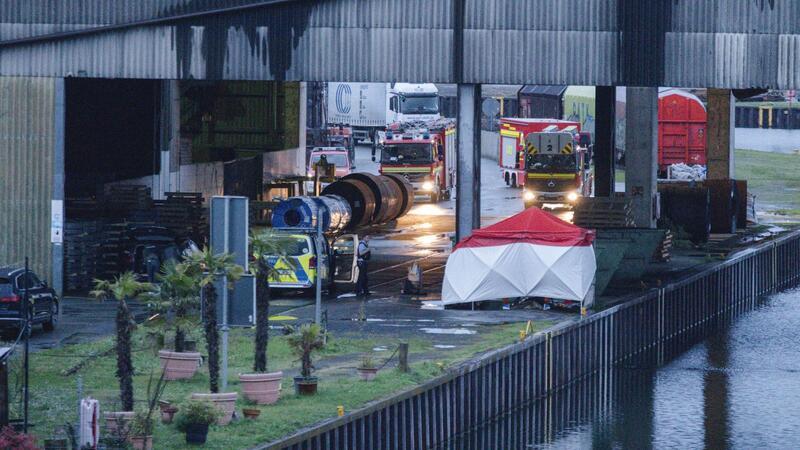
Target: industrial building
95 94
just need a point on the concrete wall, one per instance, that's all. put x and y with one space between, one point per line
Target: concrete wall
27 158
490 142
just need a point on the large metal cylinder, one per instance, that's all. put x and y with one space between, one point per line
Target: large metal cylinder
360 198
387 197
302 212
406 189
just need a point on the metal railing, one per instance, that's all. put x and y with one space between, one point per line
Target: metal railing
645 332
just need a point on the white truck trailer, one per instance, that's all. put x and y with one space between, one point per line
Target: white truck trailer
369 107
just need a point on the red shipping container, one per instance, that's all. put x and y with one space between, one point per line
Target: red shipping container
682 121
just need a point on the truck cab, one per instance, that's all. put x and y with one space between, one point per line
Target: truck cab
556 169
338 156
299 265
423 156
413 102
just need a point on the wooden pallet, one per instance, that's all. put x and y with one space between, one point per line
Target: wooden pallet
601 212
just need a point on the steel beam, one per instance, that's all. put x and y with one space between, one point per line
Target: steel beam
720 134
468 168
604 140
59 120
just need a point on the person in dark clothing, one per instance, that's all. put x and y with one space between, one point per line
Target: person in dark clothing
363 255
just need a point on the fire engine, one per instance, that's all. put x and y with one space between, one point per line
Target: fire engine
512 144
424 153
556 169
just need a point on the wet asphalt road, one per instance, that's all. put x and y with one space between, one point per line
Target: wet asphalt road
424 236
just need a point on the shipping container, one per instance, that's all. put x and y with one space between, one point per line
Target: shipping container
681 129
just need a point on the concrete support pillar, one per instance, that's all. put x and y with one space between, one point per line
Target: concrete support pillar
57 214
468 168
604 140
641 153
170 139
720 134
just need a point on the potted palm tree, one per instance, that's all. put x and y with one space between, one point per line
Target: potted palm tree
141 431
195 418
206 267
367 369
263 387
304 342
175 296
122 288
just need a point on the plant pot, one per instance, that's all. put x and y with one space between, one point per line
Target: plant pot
179 365
163 404
251 413
117 422
196 433
167 414
261 388
367 374
142 442
305 385
225 402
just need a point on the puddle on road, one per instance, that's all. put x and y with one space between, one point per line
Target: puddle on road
380 349
443 346
447 331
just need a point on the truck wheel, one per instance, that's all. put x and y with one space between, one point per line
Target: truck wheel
508 181
513 181
435 196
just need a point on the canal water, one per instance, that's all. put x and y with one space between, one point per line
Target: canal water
738 389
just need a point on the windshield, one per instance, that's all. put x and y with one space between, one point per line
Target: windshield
338 160
419 104
551 163
407 154
5 286
290 245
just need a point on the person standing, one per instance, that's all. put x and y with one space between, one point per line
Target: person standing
363 254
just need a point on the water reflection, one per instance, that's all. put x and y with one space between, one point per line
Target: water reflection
738 389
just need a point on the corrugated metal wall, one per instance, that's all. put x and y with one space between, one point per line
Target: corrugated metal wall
27 108
699 43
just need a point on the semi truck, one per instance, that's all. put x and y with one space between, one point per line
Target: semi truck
556 169
513 132
370 107
424 153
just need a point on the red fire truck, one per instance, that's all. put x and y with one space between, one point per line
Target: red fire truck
512 143
424 153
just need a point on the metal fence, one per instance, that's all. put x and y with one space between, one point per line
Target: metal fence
648 331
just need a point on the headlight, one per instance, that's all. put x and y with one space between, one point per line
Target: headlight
427 186
528 196
572 196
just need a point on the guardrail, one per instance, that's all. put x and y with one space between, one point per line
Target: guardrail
649 330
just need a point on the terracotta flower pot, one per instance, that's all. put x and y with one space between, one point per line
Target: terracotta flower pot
367 374
305 385
251 413
225 402
261 388
142 442
179 365
167 414
117 422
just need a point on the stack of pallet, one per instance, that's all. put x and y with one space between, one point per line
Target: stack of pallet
126 200
81 244
111 249
604 212
664 250
183 214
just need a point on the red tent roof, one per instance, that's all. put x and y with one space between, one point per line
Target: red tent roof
533 226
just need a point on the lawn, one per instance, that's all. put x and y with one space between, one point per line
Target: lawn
54 396
773 177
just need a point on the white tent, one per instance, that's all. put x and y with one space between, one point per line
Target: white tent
532 254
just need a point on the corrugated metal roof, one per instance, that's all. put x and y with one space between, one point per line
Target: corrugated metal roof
718 43
27 108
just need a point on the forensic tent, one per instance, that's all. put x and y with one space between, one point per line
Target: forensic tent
532 254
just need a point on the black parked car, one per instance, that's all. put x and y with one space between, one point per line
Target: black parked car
44 302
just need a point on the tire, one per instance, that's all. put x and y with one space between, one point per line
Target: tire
513 181
435 196
52 321
508 181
